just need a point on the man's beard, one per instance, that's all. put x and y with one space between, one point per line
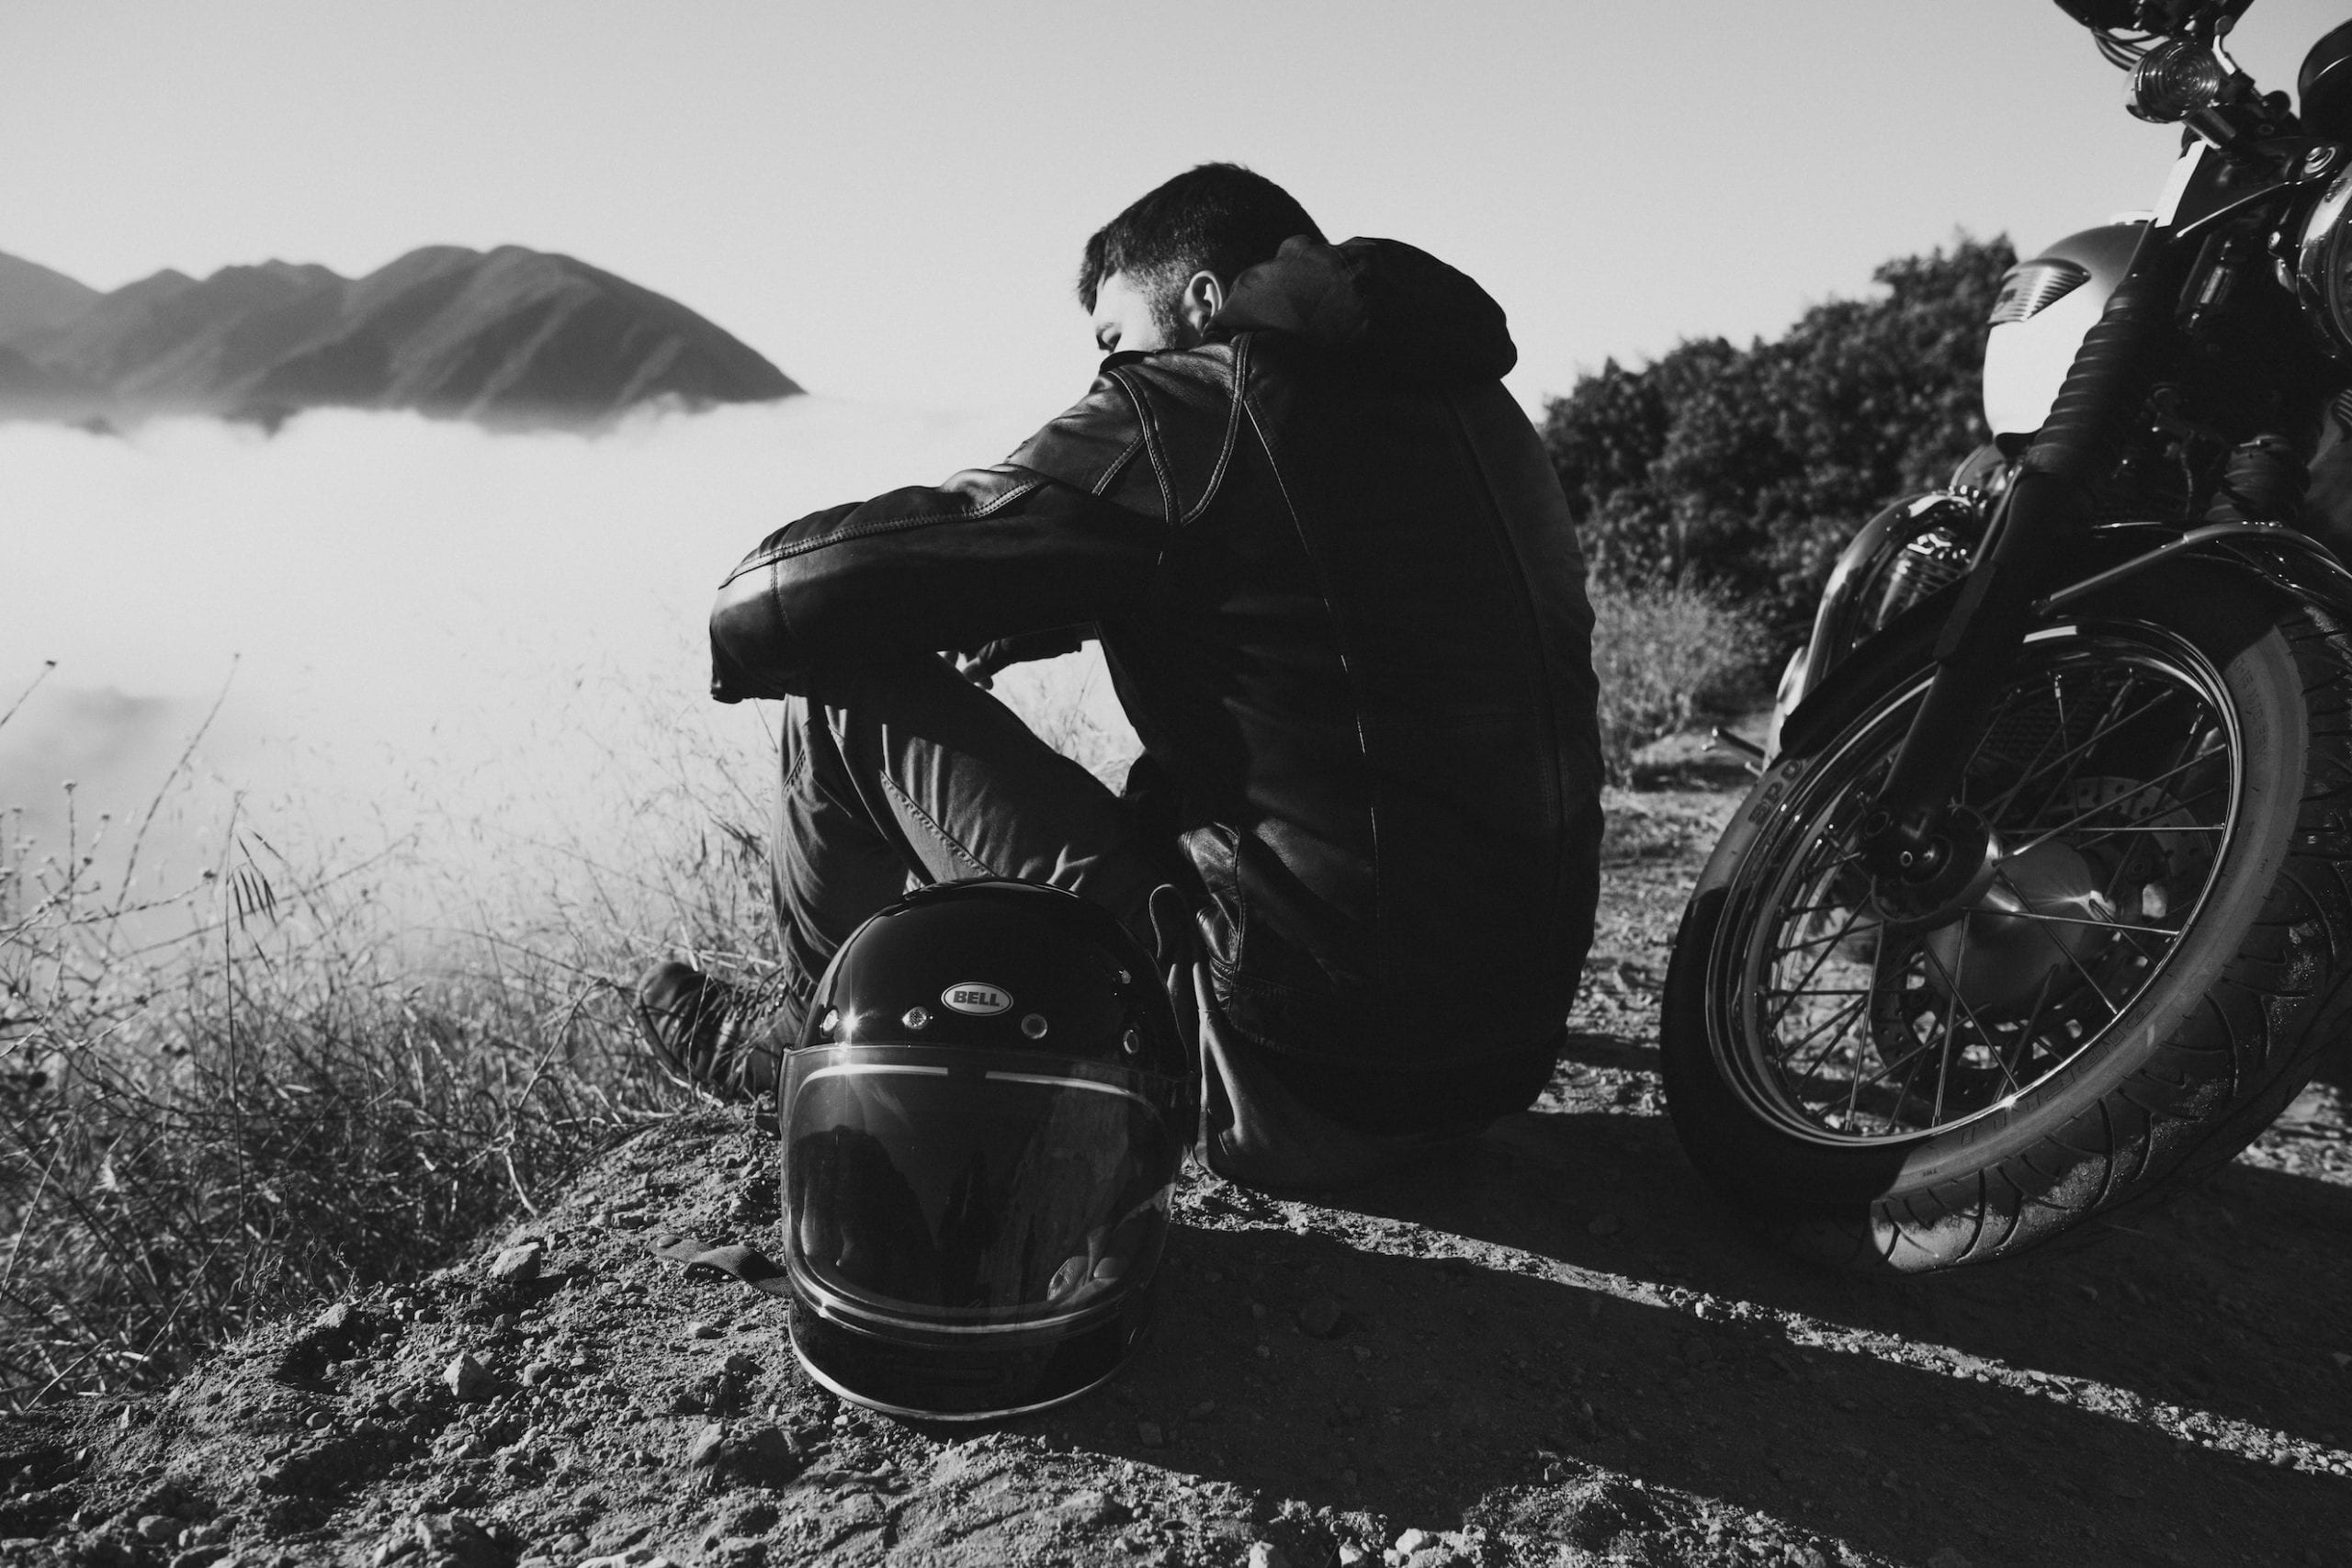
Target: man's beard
1168 315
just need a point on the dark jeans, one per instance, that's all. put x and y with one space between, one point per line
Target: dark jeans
905 772
905 769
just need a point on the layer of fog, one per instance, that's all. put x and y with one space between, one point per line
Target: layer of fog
429 647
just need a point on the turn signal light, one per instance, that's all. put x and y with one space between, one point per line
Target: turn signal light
2176 81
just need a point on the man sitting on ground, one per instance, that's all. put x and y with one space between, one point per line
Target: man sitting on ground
1341 601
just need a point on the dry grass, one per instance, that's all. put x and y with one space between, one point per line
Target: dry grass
266 1083
260 1085
1659 653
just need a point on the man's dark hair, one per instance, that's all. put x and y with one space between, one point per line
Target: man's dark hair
1218 218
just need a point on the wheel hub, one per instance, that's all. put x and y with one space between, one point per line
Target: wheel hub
2039 917
1961 854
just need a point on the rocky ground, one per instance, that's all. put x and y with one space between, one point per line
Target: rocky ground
1555 1347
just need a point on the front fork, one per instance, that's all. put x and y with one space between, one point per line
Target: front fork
1924 850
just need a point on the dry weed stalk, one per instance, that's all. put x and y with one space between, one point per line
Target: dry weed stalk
1656 652
220 1099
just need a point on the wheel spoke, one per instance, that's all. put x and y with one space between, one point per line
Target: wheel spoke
1838 1016
2114 736
1952 1022
2057 733
1918 1059
2071 757
2026 1036
2104 804
2033 914
2075 755
2088 979
1836 936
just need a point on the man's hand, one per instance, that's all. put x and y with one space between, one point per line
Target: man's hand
980 665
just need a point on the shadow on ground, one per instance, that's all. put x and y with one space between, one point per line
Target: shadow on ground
1583 1301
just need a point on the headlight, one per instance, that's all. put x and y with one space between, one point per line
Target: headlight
2028 286
2323 267
2176 81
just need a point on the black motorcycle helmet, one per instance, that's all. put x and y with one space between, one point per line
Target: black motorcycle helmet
981 1128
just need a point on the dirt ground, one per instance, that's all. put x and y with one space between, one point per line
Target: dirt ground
1553 1348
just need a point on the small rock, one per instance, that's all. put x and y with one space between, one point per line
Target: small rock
1204 1410
754 1517
457 1540
467 1377
538 1374
157 1527
697 1329
1696 1352
1351 1554
1266 1554
704 1452
517 1265
1415 1540
1945 1557
1093 1507
1319 1317
751 1451
1149 1435
2342 1359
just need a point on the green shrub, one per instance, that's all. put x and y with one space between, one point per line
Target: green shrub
1659 654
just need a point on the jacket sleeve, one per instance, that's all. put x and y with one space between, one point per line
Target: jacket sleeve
1069 529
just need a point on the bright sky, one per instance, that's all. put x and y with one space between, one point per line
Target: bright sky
887 197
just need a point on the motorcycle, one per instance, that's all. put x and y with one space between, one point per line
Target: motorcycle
2041 906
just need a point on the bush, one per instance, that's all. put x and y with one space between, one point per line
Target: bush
265 1087
1745 470
1660 654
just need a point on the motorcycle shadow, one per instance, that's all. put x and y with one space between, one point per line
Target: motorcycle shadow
2232 1299
1582 1314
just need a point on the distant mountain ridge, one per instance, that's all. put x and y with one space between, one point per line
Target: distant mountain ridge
509 338
33 295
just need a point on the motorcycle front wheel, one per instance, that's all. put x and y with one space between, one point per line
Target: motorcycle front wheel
2143 984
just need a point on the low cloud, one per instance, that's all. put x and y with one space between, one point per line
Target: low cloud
419 628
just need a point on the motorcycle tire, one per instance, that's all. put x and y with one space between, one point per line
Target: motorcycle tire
2160 959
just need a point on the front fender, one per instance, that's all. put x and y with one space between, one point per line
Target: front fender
2282 559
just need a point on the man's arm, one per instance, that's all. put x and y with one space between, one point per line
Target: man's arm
1069 529
981 665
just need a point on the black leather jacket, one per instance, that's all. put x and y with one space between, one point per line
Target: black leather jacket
1341 599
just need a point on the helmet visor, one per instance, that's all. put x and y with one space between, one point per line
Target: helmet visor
973 1191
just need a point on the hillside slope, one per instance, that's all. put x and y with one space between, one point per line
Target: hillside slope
1553 1347
33 297
511 338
